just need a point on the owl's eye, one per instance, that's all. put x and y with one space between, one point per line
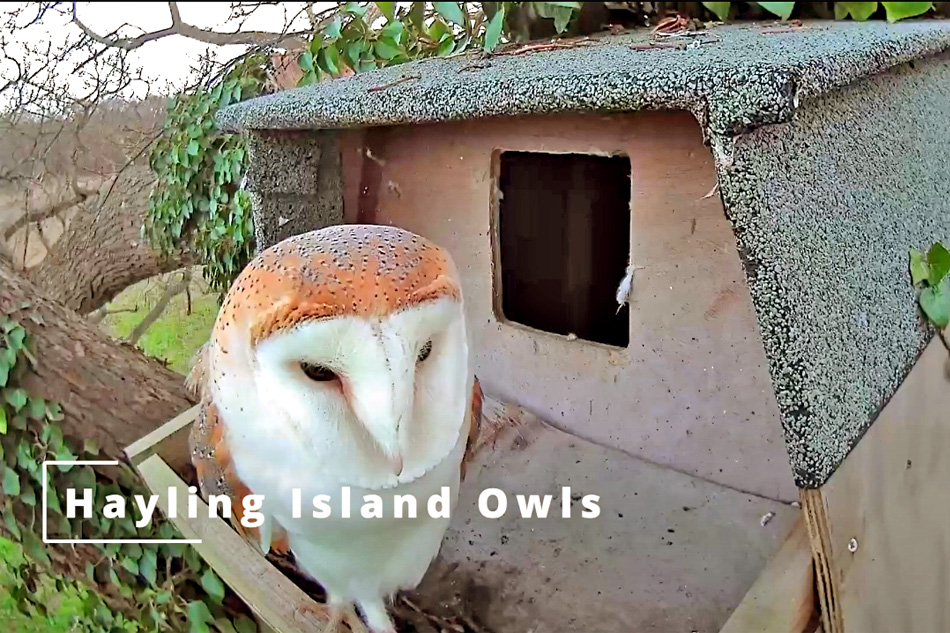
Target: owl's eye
318 373
425 351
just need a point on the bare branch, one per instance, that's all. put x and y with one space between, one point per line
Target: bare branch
172 290
53 210
207 36
97 315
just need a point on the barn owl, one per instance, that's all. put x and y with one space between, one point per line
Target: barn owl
340 358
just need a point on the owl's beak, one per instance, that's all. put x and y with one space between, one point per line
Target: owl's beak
397 464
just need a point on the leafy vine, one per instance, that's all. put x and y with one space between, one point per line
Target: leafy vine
125 587
930 273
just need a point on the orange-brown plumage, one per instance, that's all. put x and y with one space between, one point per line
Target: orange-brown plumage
313 276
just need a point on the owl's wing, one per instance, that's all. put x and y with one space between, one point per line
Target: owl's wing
214 465
474 427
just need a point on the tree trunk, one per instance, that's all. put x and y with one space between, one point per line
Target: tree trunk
109 391
102 252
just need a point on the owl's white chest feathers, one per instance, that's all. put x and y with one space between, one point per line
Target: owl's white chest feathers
355 559
285 434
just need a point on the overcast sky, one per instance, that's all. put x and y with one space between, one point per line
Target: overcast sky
169 59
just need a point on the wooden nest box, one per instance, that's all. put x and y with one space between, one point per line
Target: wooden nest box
763 189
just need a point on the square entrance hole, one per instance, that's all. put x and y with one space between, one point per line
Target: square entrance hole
563 242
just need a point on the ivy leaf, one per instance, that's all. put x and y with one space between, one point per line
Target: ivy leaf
782 9
193 147
11 482
16 398
388 9
224 626
938 257
332 57
386 48
244 624
28 495
148 566
198 617
560 11
446 47
935 302
860 11
354 8
54 412
36 409
394 31
34 547
451 11
213 585
15 337
900 10
91 446
3 421
721 9
192 559
52 499
65 455
305 61
11 524
493 32
919 268
333 28
130 566
562 17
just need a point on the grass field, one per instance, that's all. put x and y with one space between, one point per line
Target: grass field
174 337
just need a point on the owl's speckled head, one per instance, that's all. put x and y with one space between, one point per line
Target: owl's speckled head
349 269
350 342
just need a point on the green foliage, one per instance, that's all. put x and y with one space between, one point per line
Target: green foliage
197 203
859 11
931 272
720 9
900 10
126 588
781 9
349 43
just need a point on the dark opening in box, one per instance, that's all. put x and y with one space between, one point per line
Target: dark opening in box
564 241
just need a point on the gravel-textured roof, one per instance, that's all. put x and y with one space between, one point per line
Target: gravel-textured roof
824 208
743 78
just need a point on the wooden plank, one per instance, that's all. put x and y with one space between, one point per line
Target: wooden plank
881 520
169 440
274 598
826 582
782 600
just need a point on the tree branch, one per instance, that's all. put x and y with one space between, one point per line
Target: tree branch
97 315
81 195
172 290
178 27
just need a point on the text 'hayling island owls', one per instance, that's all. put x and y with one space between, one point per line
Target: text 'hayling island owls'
493 503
